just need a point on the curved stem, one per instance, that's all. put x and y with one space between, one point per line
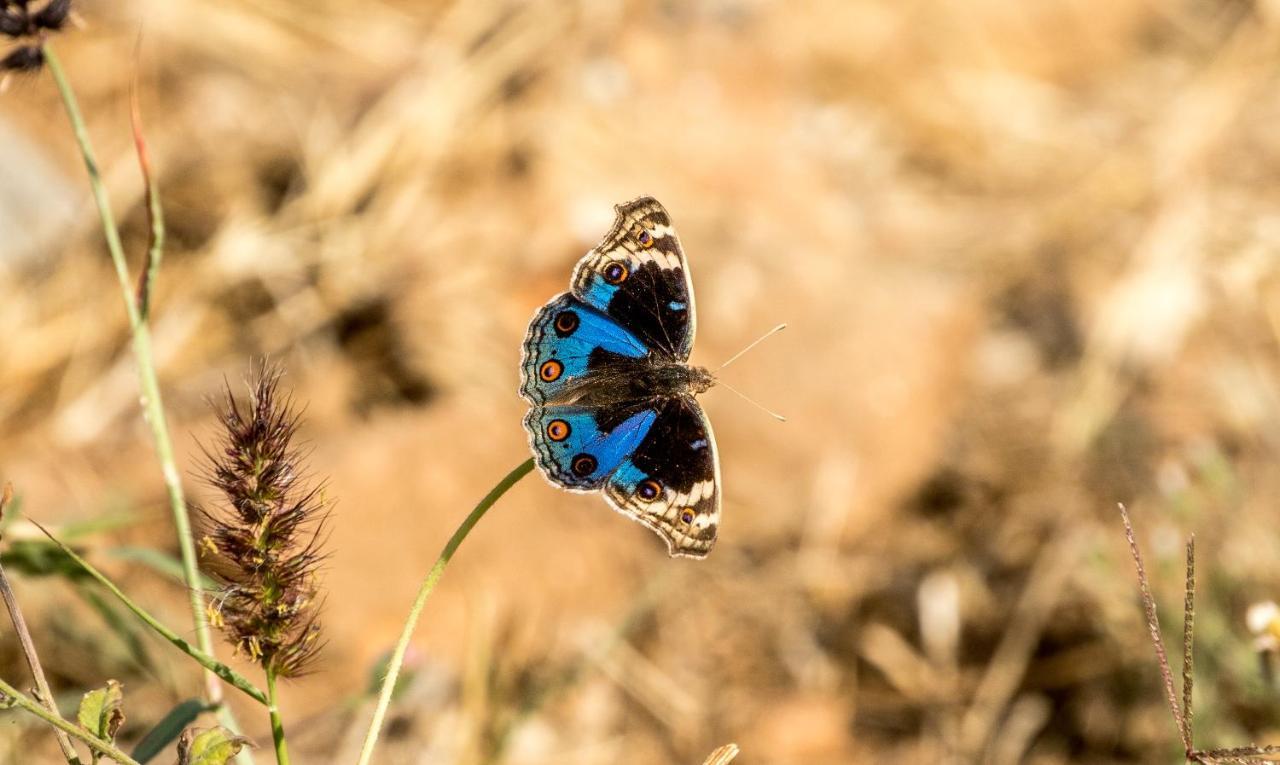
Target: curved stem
277 726
31 705
424 591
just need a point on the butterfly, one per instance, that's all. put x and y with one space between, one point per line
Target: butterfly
612 395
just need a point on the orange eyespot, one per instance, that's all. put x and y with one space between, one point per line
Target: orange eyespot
616 273
645 239
558 430
550 370
687 515
648 489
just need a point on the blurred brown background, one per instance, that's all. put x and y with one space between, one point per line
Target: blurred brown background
1027 252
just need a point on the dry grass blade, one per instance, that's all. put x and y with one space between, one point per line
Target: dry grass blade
29 646
1239 754
1188 633
1153 626
999 683
722 756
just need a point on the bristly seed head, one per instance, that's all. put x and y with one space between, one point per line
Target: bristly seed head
263 547
29 23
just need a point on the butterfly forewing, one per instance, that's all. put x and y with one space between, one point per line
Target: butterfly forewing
638 276
569 341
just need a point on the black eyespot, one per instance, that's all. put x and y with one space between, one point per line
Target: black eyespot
583 465
566 322
645 239
615 273
687 516
648 489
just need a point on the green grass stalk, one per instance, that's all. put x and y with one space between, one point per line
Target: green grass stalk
277 726
424 591
152 404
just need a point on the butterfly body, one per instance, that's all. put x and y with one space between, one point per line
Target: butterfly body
605 369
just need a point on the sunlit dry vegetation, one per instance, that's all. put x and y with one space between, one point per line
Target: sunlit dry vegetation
1029 254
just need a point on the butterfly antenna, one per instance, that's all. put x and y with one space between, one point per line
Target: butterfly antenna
753 344
753 402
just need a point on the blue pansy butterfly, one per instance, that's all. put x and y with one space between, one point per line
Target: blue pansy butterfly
605 370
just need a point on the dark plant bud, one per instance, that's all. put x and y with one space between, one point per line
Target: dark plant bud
53 15
25 59
13 25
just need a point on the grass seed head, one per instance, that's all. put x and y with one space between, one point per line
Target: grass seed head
263 545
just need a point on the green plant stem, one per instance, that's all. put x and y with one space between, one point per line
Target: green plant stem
207 661
424 591
152 404
34 707
277 727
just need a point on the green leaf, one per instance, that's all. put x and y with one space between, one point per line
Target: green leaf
38 557
101 713
110 521
213 746
168 729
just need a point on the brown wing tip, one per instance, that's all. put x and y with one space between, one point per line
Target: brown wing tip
644 203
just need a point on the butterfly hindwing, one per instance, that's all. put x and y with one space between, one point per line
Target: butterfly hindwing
671 481
638 276
567 340
578 448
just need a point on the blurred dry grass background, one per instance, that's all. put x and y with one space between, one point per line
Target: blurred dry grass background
1028 253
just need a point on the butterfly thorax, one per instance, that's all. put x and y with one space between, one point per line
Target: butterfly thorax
629 380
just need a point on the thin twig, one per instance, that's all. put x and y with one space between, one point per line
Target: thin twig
1052 569
31 705
155 212
424 591
1188 637
1247 753
29 646
1153 626
208 662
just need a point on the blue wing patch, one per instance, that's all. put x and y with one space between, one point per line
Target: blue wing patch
558 348
573 451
